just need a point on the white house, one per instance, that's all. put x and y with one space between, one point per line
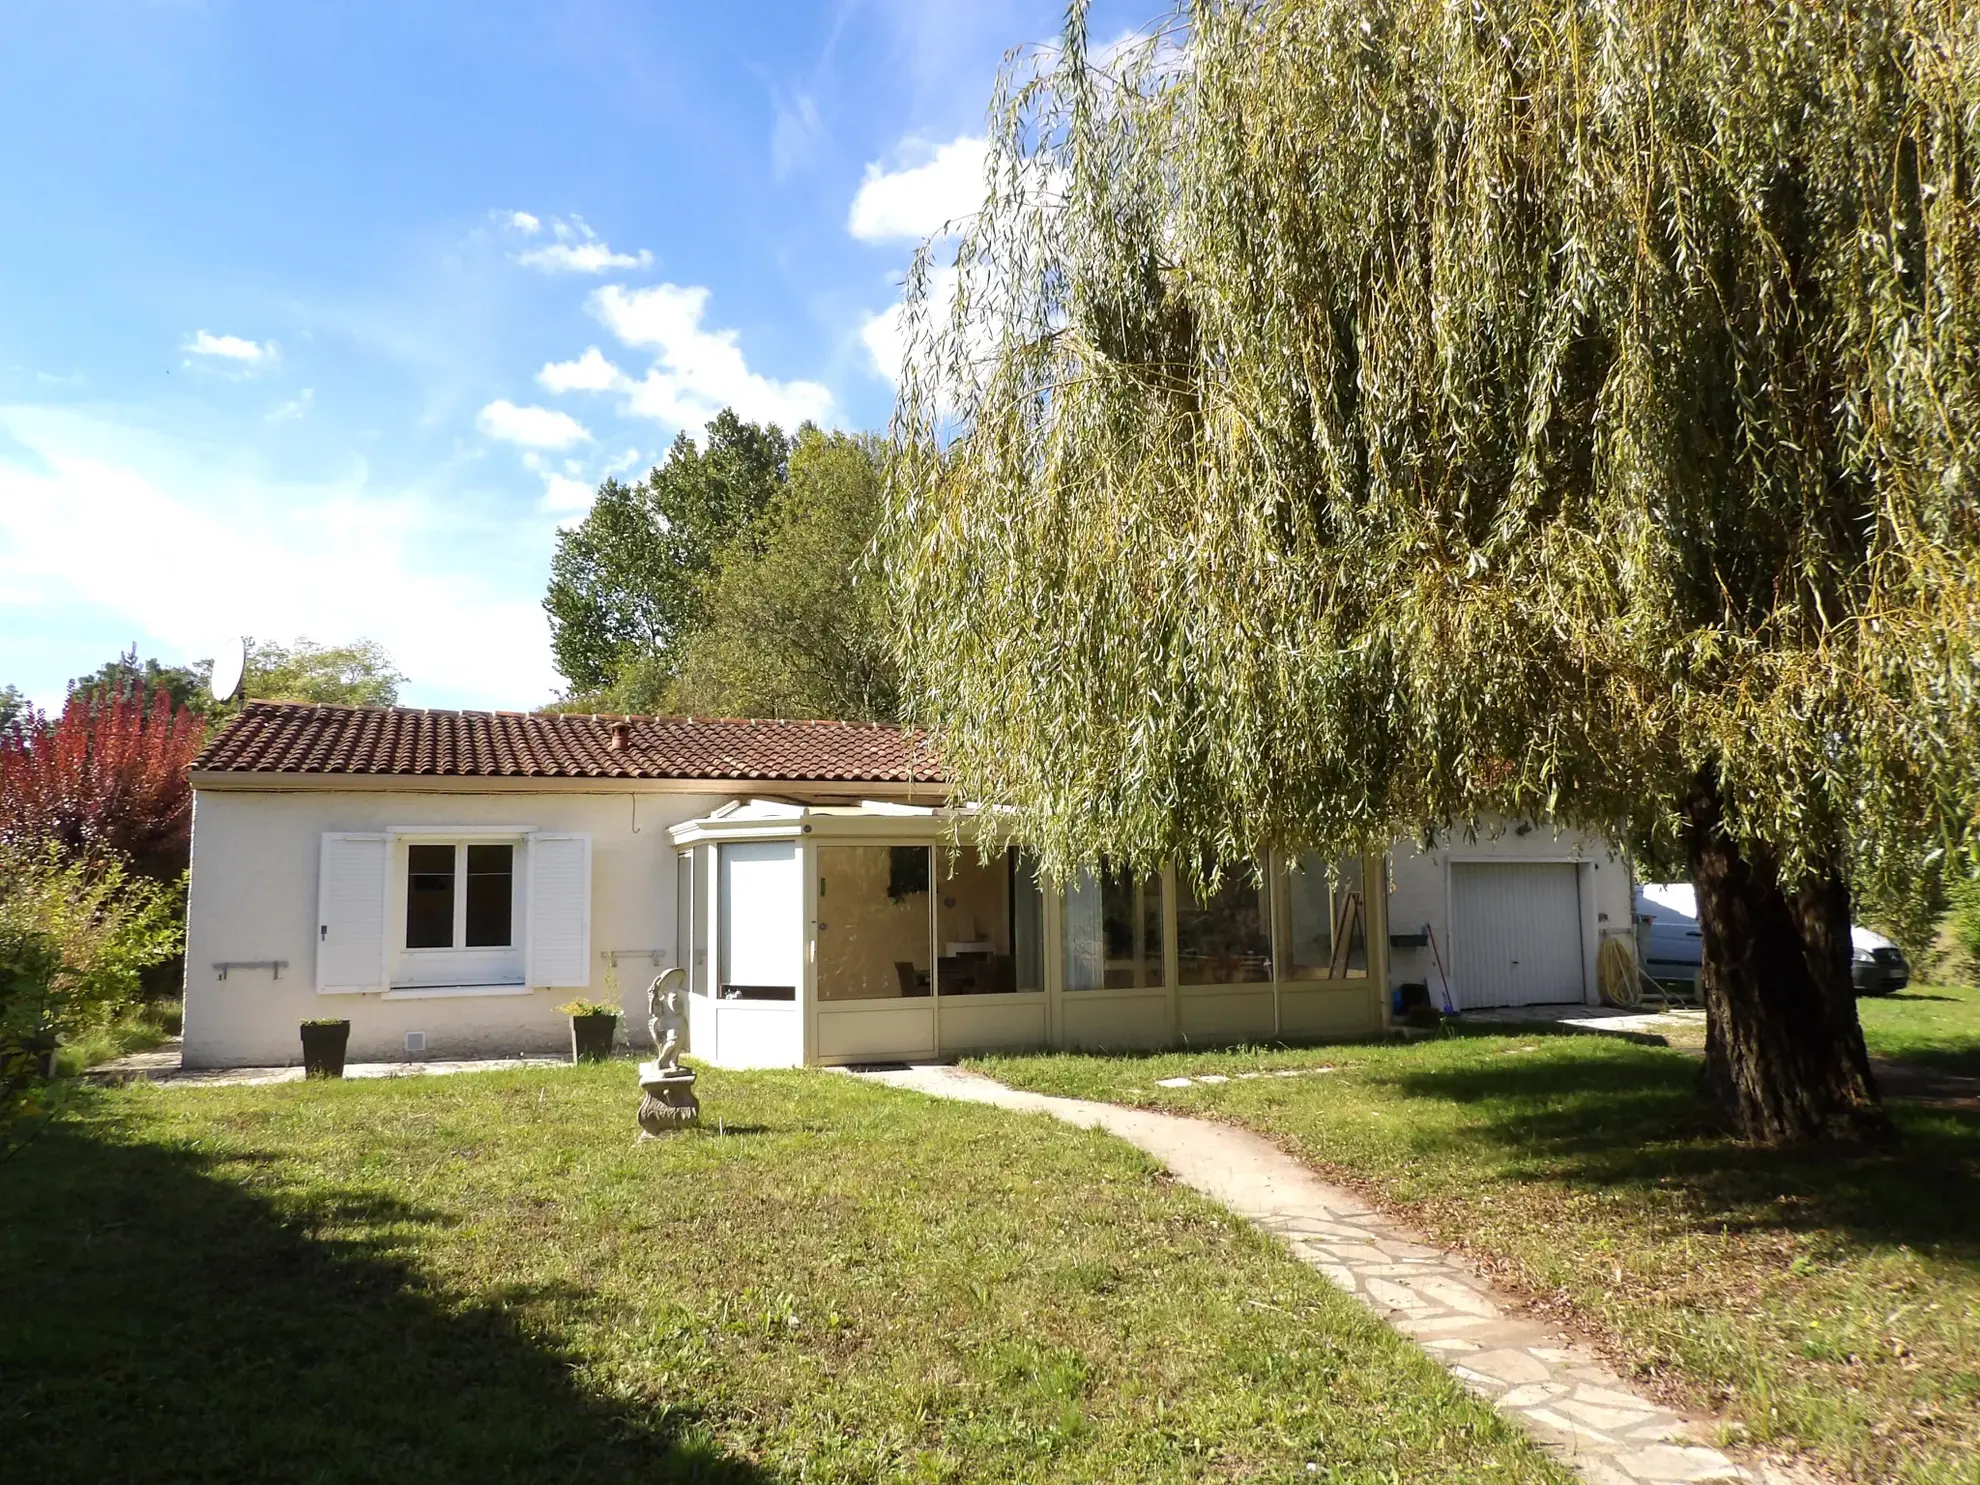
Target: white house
444 880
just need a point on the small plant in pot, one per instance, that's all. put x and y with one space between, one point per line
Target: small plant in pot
593 1023
323 1045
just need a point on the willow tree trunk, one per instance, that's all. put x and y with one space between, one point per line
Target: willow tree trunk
1784 1055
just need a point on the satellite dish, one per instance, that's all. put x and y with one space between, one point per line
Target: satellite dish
229 670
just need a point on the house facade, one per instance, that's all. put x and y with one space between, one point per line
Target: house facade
445 880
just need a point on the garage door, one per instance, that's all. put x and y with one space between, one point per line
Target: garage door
1515 933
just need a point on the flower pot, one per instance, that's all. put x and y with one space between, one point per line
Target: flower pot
42 1049
591 1037
323 1049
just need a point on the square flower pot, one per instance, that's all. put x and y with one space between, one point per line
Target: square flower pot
323 1044
591 1037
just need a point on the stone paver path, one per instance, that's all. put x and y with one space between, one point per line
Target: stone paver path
1559 1390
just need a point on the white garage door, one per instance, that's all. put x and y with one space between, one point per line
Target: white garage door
1515 933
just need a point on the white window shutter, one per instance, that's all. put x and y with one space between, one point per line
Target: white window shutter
350 914
559 933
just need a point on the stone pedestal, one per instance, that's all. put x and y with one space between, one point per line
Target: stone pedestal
669 1102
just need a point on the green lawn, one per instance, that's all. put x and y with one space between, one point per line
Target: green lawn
483 1278
1935 1026
1827 1302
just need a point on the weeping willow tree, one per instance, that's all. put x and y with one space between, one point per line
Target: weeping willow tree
1363 417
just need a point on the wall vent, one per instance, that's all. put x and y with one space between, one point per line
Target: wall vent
415 1041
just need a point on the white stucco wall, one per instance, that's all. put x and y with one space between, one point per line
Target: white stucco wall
255 864
1420 893
254 896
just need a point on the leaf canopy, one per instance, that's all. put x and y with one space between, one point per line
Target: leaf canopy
360 673
627 582
1362 416
795 612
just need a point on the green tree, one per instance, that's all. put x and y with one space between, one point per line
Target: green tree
360 673
1363 416
626 583
13 705
644 686
127 675
796 622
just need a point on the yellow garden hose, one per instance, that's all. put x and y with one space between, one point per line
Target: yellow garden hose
1616 974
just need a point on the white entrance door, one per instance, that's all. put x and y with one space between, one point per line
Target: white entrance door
1515 933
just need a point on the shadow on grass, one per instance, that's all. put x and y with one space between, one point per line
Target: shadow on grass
1632 1119
1484 1026
162 1321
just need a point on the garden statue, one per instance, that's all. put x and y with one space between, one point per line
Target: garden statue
668 1088
664 1020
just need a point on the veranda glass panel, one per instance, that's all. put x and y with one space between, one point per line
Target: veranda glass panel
1113 932
1224 938
684 914
1027 923
973 926
698 977
874 927
1327 920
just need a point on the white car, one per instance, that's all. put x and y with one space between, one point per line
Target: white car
1676 944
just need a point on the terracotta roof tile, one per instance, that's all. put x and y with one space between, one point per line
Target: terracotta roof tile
293 737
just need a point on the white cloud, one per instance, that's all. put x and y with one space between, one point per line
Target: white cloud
884 335
795 136
295 407
923 200
933 200
564 495
248 353
577 249
1142 56
531 427
582 257
524 223
252 551
697 372
591 372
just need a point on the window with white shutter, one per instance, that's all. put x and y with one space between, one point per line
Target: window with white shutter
350 914
455 910
559 935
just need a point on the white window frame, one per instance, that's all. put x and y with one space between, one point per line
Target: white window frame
459 943
494 969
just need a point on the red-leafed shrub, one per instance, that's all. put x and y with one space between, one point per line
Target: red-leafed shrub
108 776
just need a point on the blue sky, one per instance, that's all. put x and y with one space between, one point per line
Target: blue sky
317 319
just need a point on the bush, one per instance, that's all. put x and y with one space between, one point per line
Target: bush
1959 958
75 939
28 965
